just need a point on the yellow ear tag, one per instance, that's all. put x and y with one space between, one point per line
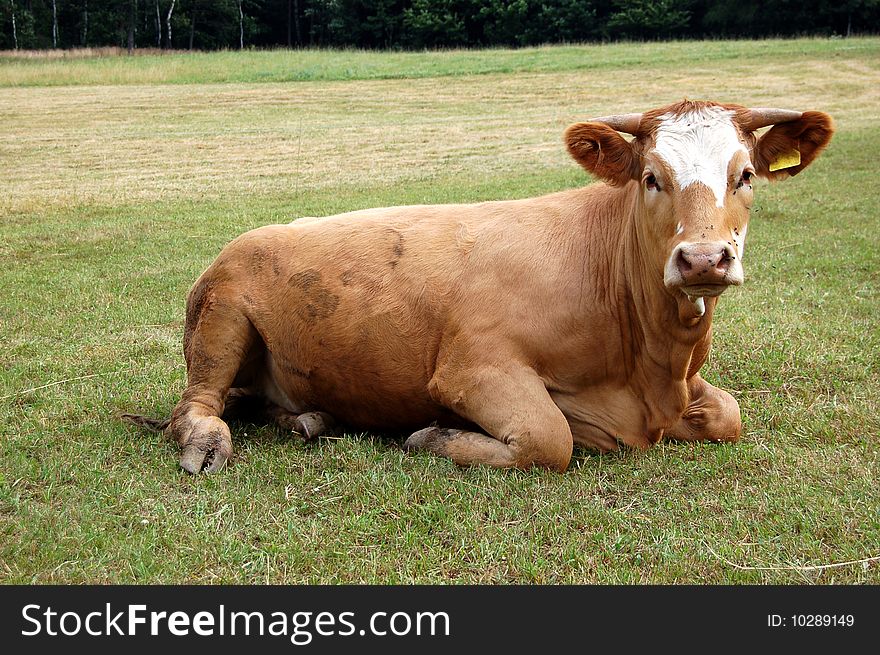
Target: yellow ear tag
786 160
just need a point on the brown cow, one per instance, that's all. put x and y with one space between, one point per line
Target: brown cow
515 328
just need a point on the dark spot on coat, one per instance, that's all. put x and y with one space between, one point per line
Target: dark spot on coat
305 280
397 248
316 301
264 259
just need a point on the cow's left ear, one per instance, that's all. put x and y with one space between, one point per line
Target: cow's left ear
788 148
603 152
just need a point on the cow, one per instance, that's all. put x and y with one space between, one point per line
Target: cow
500 333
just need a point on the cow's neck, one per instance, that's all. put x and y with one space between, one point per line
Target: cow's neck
671 334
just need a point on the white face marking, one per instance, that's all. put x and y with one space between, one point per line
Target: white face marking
698 146
679 229
740 240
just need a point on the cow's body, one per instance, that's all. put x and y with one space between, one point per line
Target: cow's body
517 327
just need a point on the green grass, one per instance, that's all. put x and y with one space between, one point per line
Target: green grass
254 66
117 197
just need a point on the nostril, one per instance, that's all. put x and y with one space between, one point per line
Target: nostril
682 261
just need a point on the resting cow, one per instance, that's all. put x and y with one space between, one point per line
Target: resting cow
503 332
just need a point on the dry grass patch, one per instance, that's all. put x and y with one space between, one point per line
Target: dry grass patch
110 145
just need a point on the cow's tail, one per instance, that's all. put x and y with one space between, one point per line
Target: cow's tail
156 424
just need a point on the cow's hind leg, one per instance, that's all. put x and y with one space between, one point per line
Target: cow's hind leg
712 415
308 425
525 427
219 340
249 404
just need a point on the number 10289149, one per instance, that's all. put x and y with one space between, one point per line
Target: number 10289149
811 621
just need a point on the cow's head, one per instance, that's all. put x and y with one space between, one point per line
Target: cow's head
695 163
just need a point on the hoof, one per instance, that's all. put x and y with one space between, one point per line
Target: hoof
196 459
312 425
207 449
431 439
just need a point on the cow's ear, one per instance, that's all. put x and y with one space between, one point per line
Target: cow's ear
603 152
788 148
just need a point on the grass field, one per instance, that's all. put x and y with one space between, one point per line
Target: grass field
123 177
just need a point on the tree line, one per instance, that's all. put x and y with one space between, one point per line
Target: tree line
412 24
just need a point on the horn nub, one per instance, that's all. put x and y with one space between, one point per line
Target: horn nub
628 123
764 116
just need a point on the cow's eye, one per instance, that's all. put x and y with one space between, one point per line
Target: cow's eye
651 182
746 178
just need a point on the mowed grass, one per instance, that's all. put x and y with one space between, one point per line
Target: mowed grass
116 196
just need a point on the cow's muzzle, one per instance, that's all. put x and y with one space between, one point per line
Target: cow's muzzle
703 269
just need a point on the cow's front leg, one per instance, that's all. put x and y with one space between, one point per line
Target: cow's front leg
525 428
712 414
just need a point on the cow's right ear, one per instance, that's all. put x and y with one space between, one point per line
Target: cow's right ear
603 152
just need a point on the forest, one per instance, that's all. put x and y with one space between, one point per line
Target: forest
412 24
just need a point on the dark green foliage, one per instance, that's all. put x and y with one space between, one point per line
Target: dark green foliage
366 23
416 24
568 21
430 23
646 19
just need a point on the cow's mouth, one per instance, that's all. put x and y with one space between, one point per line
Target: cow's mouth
704 290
